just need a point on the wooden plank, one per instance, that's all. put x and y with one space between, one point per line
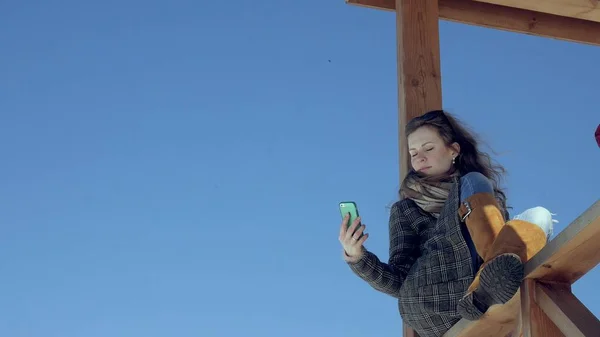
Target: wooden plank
507 18
570 255
419 73
579 9
566 311
535 323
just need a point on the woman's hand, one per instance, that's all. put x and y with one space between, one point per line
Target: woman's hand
351 240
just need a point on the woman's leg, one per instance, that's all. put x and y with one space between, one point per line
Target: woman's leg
484 219
474 182
471 184
501 275
538 216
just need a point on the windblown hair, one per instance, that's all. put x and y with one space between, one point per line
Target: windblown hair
470 159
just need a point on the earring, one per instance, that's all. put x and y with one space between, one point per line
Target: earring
453 160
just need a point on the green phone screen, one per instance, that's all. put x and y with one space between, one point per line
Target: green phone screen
349 207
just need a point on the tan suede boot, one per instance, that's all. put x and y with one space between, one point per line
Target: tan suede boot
500 276
484 220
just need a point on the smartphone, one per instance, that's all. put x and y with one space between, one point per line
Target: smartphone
349 207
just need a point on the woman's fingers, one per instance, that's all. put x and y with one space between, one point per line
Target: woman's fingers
350 231
363 239
352 237
359 231
357 234
344 226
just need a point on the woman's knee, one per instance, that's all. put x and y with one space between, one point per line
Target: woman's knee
539 216
475 182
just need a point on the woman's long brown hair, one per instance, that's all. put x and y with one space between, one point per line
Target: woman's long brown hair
470 159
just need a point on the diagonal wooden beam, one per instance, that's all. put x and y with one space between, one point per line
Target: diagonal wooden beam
570 255
507 18
566 311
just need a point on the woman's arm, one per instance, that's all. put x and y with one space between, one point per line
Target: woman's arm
404 246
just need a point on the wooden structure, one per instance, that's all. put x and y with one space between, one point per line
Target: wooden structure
545 307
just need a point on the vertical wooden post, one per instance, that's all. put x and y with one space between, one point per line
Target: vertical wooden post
535 323
419 73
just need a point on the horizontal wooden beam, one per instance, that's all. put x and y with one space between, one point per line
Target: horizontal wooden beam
507 18
572 253
579 9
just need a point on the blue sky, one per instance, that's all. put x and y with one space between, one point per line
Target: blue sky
174 168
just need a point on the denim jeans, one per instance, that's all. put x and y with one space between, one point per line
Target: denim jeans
475 182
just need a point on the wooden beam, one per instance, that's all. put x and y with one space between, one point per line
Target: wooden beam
419 73
535 323
507 18
578 9
566 311
572 253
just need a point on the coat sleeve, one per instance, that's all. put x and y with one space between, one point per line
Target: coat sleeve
597 135
404 249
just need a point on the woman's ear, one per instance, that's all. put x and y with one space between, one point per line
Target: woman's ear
456 148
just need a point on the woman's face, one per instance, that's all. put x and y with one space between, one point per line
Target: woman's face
429 155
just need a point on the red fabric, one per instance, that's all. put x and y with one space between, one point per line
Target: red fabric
598 135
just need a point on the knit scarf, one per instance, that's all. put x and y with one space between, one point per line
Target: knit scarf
429 193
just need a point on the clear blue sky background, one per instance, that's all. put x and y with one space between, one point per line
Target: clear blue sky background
174 168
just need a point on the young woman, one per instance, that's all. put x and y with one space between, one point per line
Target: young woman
451 254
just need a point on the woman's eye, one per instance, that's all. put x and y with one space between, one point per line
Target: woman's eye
429 149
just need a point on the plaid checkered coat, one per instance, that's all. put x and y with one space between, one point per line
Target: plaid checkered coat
429 267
